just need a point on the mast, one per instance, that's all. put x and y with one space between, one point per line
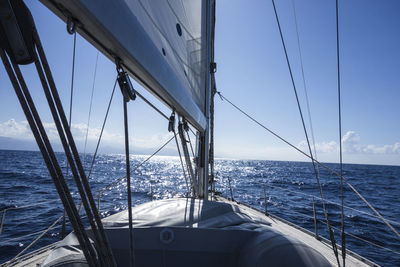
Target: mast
205 136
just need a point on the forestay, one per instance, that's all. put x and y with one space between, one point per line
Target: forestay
161 43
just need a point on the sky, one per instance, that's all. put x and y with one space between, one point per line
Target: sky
253 74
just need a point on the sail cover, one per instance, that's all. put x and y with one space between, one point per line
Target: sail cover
161 43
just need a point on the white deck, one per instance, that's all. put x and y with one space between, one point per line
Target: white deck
153 214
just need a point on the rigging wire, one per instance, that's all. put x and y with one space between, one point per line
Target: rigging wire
8 241
30 205
365 240
105 120
304 81
90 108
72 80
331 235
189 167
108 187
183 168
192 131
4 211
190 143
316 161
151 105
37 238
332 202
340 136
102 130
70 119
323 222
53 226
128 181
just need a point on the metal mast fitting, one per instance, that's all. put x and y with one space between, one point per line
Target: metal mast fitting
17 29
125 84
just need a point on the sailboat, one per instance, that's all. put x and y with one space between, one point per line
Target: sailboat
169 50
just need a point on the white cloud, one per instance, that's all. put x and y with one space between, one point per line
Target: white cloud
21 130
323 147
351 145
328 150
155 139
350 142
396 148
14 129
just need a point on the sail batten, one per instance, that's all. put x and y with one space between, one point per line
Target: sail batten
160 42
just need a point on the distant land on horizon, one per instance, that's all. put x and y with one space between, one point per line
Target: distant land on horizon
7 143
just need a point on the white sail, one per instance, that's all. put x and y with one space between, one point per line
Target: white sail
162 43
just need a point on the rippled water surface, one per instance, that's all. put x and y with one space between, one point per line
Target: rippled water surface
24 180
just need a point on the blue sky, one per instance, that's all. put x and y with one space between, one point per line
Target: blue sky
252 72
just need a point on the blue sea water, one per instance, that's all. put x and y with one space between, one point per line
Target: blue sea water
24 181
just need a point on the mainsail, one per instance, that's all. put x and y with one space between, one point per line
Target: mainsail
161 43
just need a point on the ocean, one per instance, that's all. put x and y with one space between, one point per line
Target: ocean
25 186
